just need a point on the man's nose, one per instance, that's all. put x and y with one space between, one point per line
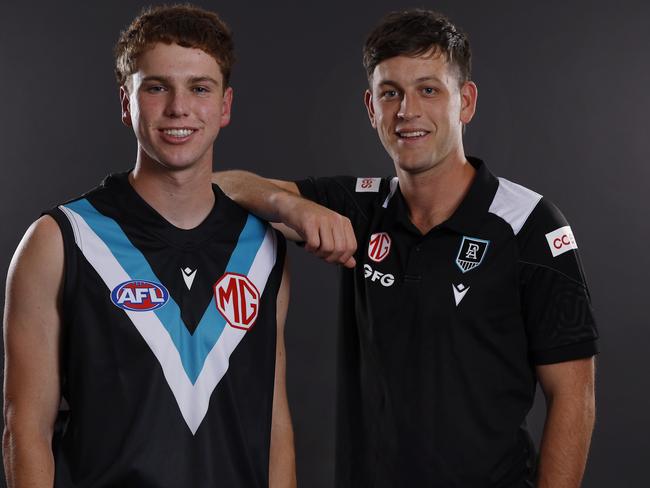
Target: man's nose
409 108
177 105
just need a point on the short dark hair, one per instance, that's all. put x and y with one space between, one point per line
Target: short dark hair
185 25
416 32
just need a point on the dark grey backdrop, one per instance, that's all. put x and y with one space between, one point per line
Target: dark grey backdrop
562 108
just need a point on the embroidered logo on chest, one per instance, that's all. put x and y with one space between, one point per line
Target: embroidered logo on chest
188 276
460 291
385 279
139 295
379 246
471 253
237 299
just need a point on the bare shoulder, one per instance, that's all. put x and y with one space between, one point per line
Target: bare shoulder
44 234
32 306
38 260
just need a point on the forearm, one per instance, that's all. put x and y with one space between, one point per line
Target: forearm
565 442
259 195
282 463
28 460
282 458
325 233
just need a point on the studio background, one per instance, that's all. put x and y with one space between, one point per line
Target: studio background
562 109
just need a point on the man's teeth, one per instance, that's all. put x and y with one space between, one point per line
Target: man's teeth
418 133
178 132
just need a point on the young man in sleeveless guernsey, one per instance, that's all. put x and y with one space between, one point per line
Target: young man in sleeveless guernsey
467 290
153 306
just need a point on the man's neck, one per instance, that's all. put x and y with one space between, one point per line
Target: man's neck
433 196
183 197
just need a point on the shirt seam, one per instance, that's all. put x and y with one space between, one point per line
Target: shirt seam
569 344
354 201
554 270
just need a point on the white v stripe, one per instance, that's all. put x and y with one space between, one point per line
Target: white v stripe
193 400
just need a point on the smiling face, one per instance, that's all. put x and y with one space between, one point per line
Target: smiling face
419 109
176 104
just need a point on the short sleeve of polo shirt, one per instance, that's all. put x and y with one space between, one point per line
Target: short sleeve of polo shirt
347 195
555 300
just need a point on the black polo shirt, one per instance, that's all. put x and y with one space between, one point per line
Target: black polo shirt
440 333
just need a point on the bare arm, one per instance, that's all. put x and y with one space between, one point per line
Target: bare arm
282 462
569 391
31 332
259 195
326 233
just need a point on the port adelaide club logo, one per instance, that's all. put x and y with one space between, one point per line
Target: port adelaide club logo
471 253
379 246
237 300
139 295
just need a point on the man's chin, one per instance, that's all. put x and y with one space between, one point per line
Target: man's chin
170 164
413 167
174 162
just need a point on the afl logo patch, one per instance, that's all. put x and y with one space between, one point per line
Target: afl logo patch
237 300
139 296
471 253
379 246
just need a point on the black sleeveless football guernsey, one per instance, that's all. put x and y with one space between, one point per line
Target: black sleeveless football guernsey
168 344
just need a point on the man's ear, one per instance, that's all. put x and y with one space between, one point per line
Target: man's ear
367 100
126 106
468 97
226 106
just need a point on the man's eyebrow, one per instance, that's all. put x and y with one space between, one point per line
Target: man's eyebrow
156 78
418 80
203 79
428 78
191 79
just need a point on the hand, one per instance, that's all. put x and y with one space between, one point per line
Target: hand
327 234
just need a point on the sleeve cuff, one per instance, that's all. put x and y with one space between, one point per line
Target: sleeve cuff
568 352
307 189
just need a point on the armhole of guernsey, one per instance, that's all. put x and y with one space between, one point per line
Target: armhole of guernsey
514 203
280 257
69 236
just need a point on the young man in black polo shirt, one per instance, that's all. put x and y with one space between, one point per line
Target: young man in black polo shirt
467 289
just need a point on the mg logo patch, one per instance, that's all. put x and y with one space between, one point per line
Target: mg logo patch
379 246
471 253
237 299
